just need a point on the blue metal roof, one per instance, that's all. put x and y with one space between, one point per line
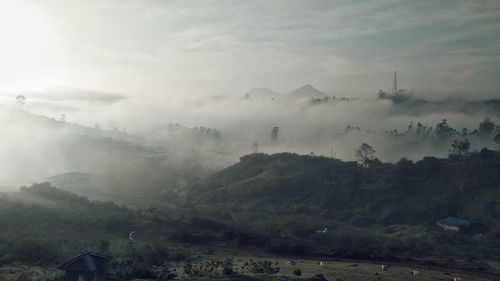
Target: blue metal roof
454 221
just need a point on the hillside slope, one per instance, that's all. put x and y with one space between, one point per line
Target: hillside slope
404 192
383 210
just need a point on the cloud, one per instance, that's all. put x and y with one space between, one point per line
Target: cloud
165 48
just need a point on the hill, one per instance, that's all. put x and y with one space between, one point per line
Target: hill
262 93
306 91
30 141
281 204
97 163
381 210
44 225
30 121
404 192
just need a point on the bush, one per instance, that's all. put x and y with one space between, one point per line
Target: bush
33 251
228 267
166 274
297 271
46 190
264 266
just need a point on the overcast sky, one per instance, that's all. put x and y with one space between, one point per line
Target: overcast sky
208 47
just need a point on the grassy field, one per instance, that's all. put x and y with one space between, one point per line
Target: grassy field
30 273
331 269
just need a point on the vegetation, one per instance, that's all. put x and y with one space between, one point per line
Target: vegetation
460 146
307 204
285 204
365 154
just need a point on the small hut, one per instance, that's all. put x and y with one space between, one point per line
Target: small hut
87 266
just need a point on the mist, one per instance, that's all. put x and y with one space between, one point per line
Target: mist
105 134
249 140
174 78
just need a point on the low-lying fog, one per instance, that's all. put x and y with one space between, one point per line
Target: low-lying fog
99 133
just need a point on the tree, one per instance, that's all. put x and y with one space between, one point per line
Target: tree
365 154
443 130
297 272
382 95
486 127
460 146
20 101
420 129
410 130
275 133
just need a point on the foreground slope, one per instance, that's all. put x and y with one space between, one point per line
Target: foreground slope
385 210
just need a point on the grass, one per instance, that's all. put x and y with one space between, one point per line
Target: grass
335 270
30 273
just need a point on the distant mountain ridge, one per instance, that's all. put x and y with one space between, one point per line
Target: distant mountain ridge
262 93
306 91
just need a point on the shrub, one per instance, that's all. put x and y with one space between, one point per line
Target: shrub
264 266
297 271
33 251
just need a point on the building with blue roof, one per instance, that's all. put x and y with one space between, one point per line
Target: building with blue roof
453 224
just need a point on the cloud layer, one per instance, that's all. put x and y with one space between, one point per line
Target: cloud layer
166 48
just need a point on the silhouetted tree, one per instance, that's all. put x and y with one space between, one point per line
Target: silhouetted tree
275 133
460 146
381 94
421 129
486 127
410 131
365 154
443 130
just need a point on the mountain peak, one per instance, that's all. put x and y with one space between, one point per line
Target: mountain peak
307 90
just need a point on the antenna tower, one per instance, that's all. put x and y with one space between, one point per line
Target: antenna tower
255 147
395 84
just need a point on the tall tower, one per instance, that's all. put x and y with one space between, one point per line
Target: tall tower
395 84
255 147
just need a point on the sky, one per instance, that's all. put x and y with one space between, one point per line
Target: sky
171 48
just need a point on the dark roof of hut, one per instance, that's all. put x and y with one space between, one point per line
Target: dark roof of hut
85 261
